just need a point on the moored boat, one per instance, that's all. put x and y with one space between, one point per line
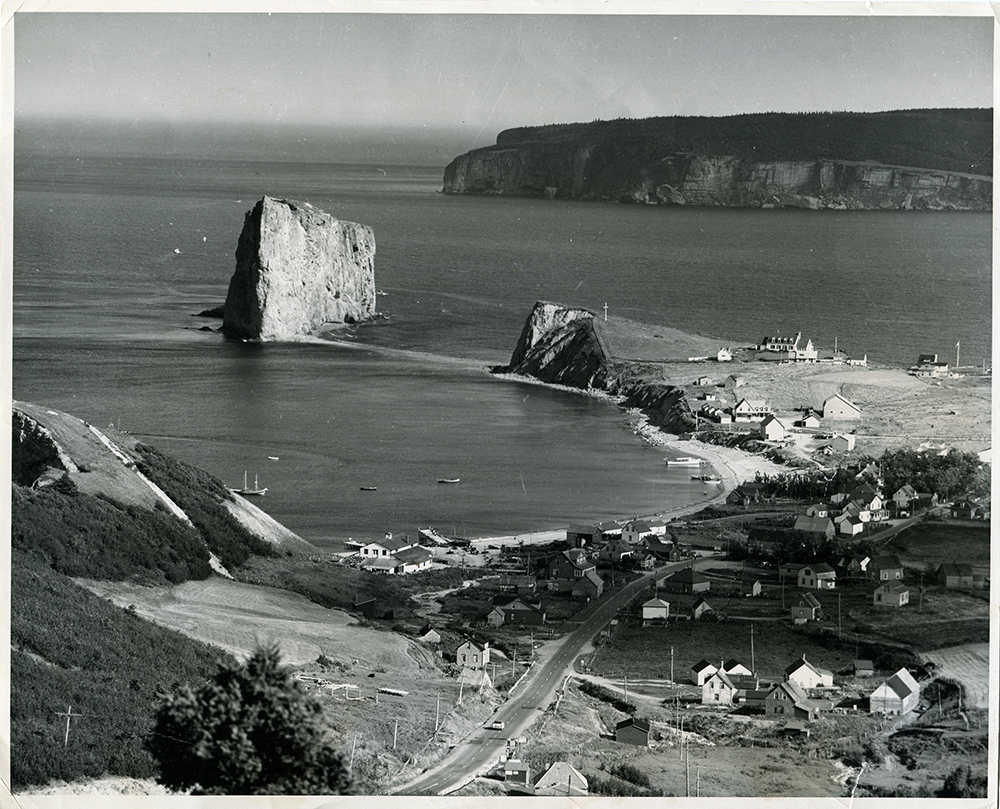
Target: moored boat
246 491
448 480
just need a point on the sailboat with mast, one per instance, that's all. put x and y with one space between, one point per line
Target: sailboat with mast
246 491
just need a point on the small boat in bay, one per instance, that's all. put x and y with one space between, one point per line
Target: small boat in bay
369 488
449 480
707 478
246 491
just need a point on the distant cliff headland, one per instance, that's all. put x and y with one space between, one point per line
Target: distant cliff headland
910 159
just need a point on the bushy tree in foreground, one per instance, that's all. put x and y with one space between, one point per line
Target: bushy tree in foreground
250 730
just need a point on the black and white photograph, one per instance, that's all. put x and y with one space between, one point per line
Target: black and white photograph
457 401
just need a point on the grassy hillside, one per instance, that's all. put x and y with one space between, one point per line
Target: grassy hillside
71 648
953 140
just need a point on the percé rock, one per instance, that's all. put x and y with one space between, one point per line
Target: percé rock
560 345
929 159
298 267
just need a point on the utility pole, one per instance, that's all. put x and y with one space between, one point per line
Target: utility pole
687 771
513 661
605 311
697 788
69 715
626 687
350 763
437 712
671 668
840 628
753 667
395 733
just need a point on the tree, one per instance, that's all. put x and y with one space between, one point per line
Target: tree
250 730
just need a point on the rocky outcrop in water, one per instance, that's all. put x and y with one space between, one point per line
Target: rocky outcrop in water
298 268
906 160
559 345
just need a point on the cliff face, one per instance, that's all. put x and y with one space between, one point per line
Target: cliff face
297 268
590 172
559 345
932 159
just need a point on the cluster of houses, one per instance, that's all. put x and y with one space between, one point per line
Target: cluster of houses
733 684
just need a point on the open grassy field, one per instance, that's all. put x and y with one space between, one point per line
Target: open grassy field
929 544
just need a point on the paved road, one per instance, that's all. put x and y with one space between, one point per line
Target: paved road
482 748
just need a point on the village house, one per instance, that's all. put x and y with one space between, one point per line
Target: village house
789 570
724 355
928 366
750 589
516 613
898 695
701 671
589 587
819 576
886 568
718 689
820 527
772 428
614 551
703 381
473 655
562 779
891 594
841 442
610 528
734 381
635 530
849 524
734 668
569 566
953 575
390 566
520 584
633 731
515 771
807 608
384 548
904 498
716 414
810 421
429 635
414 559
687 580
656 609
582 536
968 509
805 675
788 699
839 408
854 566
646 560
747 410
700 608
664 550
747 493
863 668
818 510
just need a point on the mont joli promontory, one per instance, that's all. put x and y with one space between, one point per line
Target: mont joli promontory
911 159
298 267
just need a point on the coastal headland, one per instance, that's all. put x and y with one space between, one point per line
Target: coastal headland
902 160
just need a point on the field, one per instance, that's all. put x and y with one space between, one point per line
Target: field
929 544
967 664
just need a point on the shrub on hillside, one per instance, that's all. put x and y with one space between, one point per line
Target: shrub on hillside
250 730
94 537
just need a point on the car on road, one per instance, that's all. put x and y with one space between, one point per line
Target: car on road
497 725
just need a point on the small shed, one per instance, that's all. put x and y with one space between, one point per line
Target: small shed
701 608
655 608
516 771
701 671
891 594
863 668
633 731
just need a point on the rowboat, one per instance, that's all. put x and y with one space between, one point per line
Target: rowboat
448 480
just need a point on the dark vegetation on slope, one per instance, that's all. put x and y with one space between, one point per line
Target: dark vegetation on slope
92 537
200 496
72 648
945 139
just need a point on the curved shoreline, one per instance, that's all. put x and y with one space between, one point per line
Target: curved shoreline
733 465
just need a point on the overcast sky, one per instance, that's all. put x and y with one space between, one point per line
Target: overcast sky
486 72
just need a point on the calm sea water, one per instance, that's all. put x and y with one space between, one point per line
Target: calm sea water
113 257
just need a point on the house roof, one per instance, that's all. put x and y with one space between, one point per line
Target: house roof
902 683
813 525
591 577
564 779
686 576
589 530
656 602
797 695
841 398
381 563
633 722
703 664
638 525
953 569
886 562
798 664
414 556
894 587
723 677
702 600
473 644
391 544
810 600
863 664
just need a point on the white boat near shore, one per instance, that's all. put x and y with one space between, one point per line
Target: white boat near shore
685 460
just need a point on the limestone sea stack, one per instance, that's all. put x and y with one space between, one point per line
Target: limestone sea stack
297 268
